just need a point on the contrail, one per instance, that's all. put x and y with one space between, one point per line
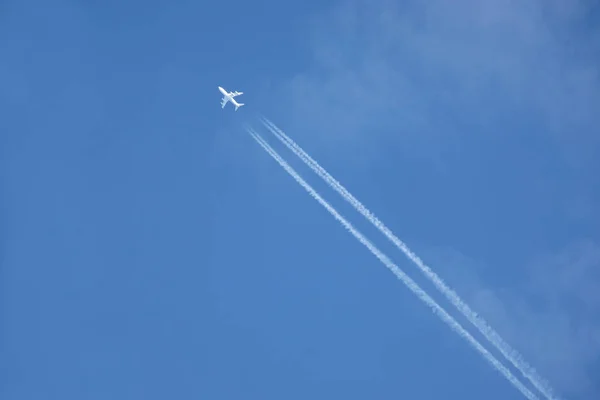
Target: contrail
490 334
412 285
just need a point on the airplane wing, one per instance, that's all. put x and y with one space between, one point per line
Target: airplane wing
236 93
224 101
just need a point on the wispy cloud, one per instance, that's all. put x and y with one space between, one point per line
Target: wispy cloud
514 88
433 72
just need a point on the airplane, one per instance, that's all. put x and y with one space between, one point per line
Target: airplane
230 97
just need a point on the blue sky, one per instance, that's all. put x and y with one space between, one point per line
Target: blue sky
150 249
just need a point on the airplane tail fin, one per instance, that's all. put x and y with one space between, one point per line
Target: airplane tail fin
238 106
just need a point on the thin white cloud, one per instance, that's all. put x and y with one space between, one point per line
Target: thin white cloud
431 72
420 79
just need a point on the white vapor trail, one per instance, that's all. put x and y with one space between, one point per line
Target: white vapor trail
420 293
487 331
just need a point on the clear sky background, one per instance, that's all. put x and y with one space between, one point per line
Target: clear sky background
150 249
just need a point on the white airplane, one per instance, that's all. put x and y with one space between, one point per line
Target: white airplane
230 97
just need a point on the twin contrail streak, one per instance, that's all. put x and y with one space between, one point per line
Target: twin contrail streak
487 331
420 293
